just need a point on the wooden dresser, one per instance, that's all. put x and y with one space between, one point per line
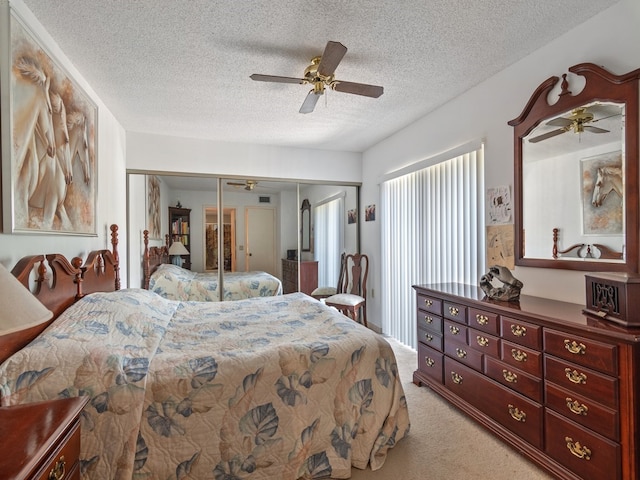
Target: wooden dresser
308 276
559 386
41 441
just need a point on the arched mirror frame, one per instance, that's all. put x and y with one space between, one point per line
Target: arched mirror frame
603 86
305 228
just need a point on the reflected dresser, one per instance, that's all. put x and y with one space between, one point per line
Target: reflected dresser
308 276
559 386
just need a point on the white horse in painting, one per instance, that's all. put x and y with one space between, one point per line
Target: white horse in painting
608 179
79 143
33 127
55 173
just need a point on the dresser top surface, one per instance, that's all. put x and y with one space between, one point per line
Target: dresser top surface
547 311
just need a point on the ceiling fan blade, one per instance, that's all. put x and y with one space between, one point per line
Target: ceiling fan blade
595 129
274 78
547 135
331 57
559 122
373 91
310 102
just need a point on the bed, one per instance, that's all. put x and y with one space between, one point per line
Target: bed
261 388
176 283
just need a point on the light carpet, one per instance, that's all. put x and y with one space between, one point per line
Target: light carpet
444 443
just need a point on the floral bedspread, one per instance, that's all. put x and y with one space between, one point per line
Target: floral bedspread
265 388
176 283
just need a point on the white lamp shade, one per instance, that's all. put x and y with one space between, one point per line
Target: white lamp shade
177 248
19 308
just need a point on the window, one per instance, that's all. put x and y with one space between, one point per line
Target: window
432 222
328 239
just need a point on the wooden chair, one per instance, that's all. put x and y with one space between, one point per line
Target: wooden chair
352 295
324 292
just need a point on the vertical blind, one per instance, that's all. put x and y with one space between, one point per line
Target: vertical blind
328 240
432 231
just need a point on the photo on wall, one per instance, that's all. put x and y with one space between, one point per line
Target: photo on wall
370 213
602 194
153 207
352 216
50 176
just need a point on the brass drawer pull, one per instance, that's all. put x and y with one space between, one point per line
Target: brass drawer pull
457 379
510 376
519 355
577 449
460 353
454 311
575 377
428 320
58 471
576 407
518 330
482 319
428 337
428 302
429 361
454 330
575 347
517 414
482 341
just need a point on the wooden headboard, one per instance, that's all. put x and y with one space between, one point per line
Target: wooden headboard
58 283
152 257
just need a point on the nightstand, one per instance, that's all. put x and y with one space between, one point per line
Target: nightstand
41 441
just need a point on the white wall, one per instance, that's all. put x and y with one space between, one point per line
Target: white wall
610 39
186 155
111 202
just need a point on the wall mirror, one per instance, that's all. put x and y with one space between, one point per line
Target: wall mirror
305 226
576 173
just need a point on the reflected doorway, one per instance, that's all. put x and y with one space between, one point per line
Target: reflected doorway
260 253
211 239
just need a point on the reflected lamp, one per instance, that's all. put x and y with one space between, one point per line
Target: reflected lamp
175 251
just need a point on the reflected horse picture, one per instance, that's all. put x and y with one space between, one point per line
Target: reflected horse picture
603 194
53 156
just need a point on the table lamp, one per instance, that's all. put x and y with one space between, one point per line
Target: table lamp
19 308
175 250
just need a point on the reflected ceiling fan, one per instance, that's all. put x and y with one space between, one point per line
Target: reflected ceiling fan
578 122
320 74
247 184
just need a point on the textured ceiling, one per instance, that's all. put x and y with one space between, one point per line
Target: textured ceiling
182 67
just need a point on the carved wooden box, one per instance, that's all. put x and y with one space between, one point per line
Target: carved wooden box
614 297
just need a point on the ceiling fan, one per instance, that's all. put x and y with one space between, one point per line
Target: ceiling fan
247 184
320 74
576 122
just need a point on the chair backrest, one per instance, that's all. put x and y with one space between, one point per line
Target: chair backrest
356 269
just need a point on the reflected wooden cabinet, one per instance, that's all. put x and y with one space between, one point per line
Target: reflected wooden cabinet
180 230
559 386
308 276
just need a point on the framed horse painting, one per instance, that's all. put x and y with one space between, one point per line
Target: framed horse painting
602 194
49 130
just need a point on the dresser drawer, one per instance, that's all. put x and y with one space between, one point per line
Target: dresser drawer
455 331
429 321
455 312
483 342
430 362
64 458
522 333
516 379
513 411
588 454
462 353
431 338
583 381
583 351
485 321
429 304
522 358
583 410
